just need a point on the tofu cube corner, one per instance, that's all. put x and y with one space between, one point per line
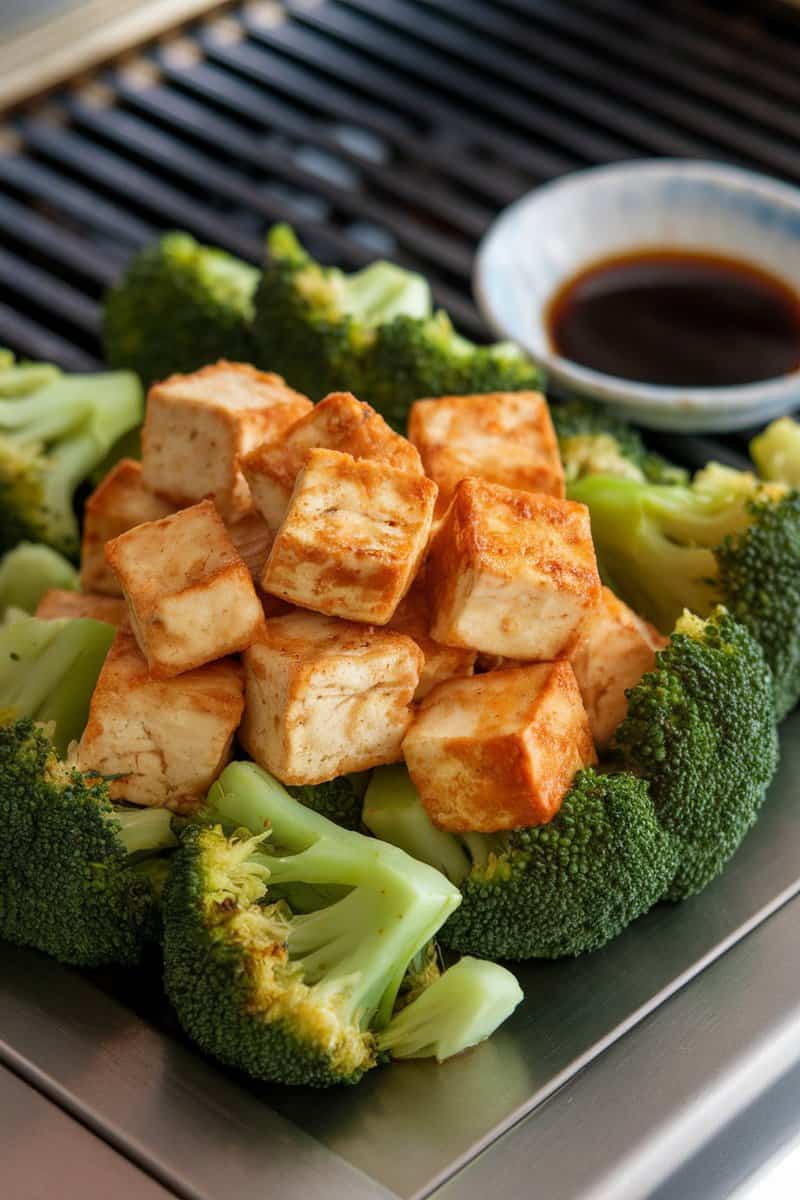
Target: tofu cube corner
352 539
615 650
499 751
512 573
164 741
198 427
57 603
189 593
502 437
338 422
119 502
324 697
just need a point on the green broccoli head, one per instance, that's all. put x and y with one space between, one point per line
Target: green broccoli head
549 891
593 442
776 452
372 332
294 997
339 799
723 539
700 729
178 306
51 438
30 570
76 876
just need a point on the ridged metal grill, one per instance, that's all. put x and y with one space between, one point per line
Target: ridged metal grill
377 127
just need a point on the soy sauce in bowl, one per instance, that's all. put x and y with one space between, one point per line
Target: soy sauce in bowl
677 318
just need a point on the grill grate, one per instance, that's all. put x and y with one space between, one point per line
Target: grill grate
388 127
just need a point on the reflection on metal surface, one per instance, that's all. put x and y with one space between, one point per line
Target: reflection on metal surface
414 1125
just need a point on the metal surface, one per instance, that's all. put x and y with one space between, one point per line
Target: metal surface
411 1127
44 1153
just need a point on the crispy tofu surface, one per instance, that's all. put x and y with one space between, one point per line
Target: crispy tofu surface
118 503
502 437
616 648
352 539
499 751
57 602
198 427
512 573
167 739
190 595
325 697
339 422
412 617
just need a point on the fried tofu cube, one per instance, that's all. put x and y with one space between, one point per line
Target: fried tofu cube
616 648
189 593
339 422
499 751
503 437
164 742
253 539
353 537
412 617
199 426
325 697
118 503
512 573
56 603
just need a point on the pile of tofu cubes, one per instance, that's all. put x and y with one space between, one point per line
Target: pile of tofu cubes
338 597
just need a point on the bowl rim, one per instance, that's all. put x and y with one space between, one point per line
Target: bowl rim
615 389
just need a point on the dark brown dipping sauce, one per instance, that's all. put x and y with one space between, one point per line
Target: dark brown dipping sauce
677 318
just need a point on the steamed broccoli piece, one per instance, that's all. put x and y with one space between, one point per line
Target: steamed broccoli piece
593 442
776 452
700 729
48 671
725 538
372 332
178 306
549 891
339 800
462 1007
19 379
77 876
30 570
287 996
51 438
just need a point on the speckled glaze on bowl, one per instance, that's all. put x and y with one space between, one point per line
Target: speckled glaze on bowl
551 233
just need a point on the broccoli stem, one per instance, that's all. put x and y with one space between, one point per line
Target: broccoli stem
21 380
393 812
144 830
28 571
462 1007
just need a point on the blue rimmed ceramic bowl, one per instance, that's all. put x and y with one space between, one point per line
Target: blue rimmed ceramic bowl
550 234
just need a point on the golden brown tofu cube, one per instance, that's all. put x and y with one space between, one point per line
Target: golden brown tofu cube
325 697
339 422
499 751
199 426
615 650
253 539
353 537
512 573
118 503
412 617
57 603
163 741
503 437
190 595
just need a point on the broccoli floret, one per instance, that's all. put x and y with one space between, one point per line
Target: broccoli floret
593 442
76 877
28 571
20 378
286 996
723 539
549 891
372 332
48 671
776 452
700 729
178 306
51 438
339 800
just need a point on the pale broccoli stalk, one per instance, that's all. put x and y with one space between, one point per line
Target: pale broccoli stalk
776 452
30 570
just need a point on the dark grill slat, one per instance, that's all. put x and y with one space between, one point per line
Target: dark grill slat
32 339
57 244
50 293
